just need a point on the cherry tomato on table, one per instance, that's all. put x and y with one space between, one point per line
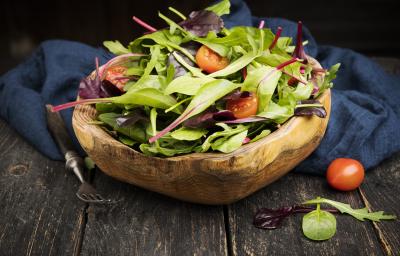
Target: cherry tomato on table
243 107
345 174
210 61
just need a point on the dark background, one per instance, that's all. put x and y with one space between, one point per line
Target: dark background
367 26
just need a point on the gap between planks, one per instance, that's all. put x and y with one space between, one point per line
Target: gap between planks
381 237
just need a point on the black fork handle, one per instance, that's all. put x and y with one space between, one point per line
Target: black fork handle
58 130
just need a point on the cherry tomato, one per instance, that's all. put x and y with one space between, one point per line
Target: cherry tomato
114 74
243 107
345 174
210 61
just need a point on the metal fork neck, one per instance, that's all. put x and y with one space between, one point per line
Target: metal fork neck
74 162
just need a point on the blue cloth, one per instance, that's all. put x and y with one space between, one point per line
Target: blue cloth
365 115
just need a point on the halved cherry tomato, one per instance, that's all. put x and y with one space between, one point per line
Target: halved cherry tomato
114 74
210 61
243 107
345 174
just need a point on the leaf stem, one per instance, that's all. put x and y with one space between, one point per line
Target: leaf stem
277 35
261 25
78 102
144 24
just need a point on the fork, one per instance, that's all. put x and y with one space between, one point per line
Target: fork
73 162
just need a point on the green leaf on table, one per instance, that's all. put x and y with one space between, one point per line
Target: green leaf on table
116 47
319 225
360 214
186 133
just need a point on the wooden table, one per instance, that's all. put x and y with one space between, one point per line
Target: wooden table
40 214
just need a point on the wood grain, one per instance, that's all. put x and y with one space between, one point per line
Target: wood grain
352 237
40 214
147 223
380 191
208 178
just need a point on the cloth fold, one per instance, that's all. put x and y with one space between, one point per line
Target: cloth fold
365 115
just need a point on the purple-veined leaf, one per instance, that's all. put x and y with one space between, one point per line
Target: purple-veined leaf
200 23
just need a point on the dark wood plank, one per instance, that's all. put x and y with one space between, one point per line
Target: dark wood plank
146 223
40 214
352 237
380 191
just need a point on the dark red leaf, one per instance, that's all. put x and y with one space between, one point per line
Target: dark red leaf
201 22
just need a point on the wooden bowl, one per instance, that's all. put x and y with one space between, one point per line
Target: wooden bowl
207 178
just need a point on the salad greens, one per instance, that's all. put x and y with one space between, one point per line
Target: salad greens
196 86
318 224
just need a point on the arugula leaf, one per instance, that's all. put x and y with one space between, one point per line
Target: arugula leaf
116 47
360 214
329 76
319 225
220 8
185 133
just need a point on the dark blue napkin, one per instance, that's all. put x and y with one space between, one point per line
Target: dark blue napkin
365 115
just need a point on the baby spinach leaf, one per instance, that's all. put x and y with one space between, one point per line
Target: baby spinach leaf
209 118
153 150
303 91
201 101
236 65
127 141
151 81
185 133
147 97
115 47
267 87
201 22
278 113
319 225
230 144
360 214
220 8
263 134
227 132
187 85
135 132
